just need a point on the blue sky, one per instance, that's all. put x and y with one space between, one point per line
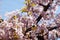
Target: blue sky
10 5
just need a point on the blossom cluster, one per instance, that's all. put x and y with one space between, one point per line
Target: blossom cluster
40 22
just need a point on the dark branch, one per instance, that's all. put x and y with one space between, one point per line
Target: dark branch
39 18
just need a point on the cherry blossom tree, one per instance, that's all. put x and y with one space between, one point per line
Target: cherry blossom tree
39 23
